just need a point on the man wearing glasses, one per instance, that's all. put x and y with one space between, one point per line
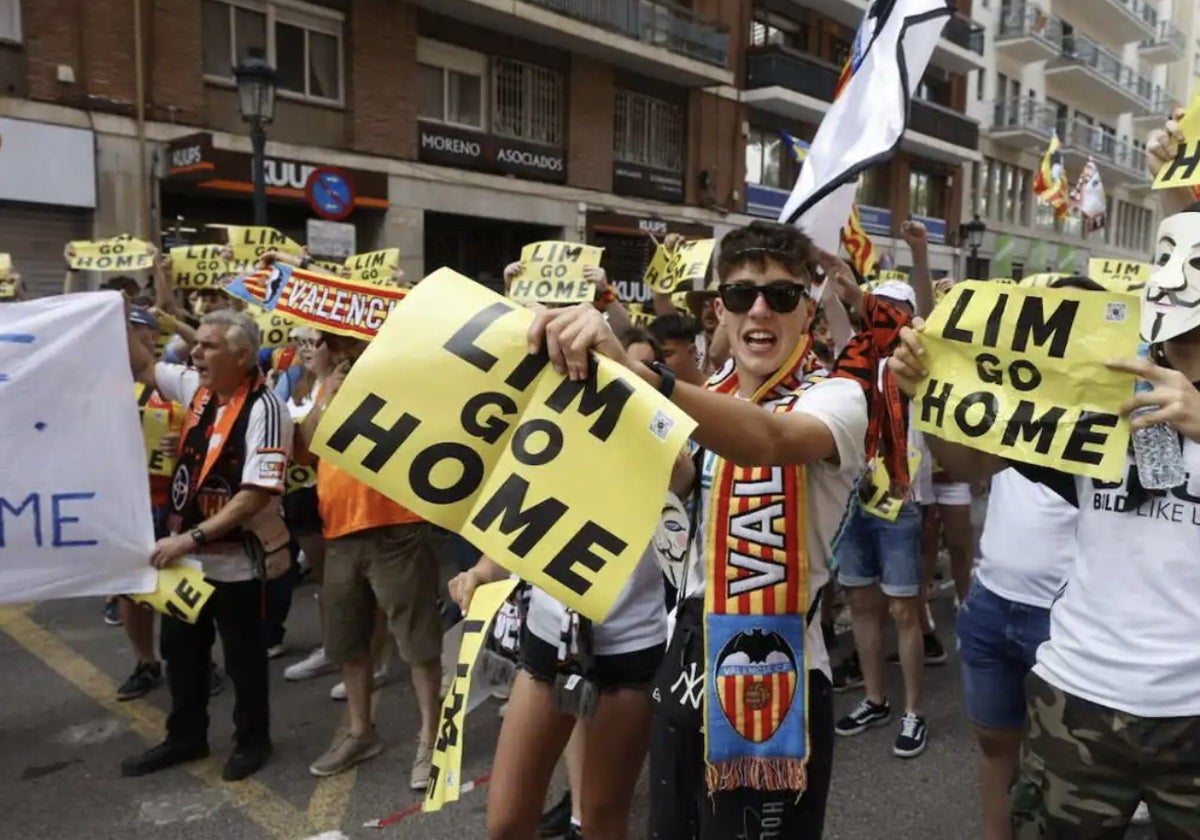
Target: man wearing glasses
784 446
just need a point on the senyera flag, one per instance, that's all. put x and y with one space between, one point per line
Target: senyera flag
317 299
866 123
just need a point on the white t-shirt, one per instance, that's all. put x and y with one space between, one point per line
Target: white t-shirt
1028 542
1126 631
841 406
638 619
268 445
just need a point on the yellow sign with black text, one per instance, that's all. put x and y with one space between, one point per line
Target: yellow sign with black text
1184 170
687 268
119 253
1119 275
449 414
201 266
879 497
445 774
377 267
181 592
893 274
248 243
1020 373
156 425
8 283
275 329
552 272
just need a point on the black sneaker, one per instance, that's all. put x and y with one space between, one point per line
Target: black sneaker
144 679
863 717
216 682
112 613
557 820
913 737
245 762
163 756
574 832
935 654
847 674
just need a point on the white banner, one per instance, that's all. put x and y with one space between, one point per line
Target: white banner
74 491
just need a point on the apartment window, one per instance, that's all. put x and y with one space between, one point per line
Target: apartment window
765 158
527 101
302 42
450 81
766 30
10 20
926 194
872 187
648 131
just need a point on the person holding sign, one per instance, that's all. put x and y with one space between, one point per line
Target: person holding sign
759 739
1114 698
225 512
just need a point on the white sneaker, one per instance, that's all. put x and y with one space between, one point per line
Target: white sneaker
338 692
276 651
313 665
1142 815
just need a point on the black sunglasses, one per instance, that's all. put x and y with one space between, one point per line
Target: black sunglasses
782 296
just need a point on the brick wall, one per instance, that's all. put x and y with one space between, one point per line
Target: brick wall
716 146
590 105
381 73
175 65
52 37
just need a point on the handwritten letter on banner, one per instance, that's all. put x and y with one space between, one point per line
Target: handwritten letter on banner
449 414
74 499
1020 373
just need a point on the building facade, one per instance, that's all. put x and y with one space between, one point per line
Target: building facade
1101 74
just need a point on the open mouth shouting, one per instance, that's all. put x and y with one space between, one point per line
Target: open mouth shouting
760 342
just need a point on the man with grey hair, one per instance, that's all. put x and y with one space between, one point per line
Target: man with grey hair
224 512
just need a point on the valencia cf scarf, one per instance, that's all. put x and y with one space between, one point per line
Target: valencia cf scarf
755 605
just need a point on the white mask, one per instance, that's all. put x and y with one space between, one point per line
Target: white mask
1171 299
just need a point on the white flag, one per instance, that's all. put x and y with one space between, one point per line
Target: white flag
74 491
863 128
1089 197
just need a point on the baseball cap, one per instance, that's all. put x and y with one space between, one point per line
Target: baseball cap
142 318
897 290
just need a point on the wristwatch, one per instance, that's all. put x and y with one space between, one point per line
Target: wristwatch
198 537
666 385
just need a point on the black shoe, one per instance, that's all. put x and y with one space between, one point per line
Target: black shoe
163 756
913 737
216 682
112 613
864 716
574 832
557 820
245 762
847 674
935 654
144 679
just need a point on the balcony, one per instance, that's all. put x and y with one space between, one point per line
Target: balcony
1153 116
941 133
644 36
1028 35
1088 73
961 46
1112 21
788 83
1169 44
1119 162
1023 123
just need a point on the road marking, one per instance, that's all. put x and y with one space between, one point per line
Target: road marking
184 806
275 815
330 799
93 732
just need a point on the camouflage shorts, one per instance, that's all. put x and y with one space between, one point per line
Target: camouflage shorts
1084 768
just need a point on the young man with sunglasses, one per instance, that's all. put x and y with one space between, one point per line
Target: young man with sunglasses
760 555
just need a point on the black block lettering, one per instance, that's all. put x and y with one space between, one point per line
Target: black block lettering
953 332
1024 425
527 369
1086 434
1186 159
578 551
1055 330
985 422
462 343
991 332
520 442
1024 375
933 402
187 593
493 427
987 368
361 423
421 472
609 400
508 505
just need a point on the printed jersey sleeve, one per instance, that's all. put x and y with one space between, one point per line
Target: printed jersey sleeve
176 383
268 445
841 406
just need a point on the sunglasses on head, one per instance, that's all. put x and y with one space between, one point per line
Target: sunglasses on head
782 296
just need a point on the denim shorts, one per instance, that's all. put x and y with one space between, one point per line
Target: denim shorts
999 640
872 550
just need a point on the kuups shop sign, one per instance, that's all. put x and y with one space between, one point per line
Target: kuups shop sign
464 149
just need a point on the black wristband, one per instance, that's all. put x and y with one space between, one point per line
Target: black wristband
666 385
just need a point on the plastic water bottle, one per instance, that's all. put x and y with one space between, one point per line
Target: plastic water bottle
1157 448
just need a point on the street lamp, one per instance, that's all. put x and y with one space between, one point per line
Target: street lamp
256 83
972 233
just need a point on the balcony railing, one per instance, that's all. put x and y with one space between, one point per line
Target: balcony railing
783 67
673 29
943 123
1105 63
1024 114
965 33
1086 139
1168 34
1022 21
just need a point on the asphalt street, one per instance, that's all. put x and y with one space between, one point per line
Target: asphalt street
64 735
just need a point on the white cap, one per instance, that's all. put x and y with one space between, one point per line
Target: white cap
896 290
